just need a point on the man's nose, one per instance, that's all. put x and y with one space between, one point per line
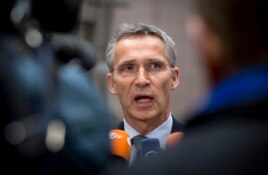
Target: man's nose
142 77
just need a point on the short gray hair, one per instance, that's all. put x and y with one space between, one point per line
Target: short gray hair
126 29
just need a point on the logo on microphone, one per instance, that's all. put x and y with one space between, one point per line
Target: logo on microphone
113 135
150 154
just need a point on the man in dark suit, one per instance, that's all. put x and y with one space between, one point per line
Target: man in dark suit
229 133
141 59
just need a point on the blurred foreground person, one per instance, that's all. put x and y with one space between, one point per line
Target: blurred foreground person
53 120
228 134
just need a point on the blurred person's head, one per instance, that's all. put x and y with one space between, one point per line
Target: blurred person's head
230 34
141 59
46 15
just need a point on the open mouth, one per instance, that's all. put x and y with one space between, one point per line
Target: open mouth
143 99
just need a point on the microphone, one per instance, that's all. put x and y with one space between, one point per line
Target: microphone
68 48
150 147
173 138
120 144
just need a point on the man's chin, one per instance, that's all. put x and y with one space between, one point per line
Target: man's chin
144 116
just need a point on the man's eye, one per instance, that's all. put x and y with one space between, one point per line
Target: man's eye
127 68
155 66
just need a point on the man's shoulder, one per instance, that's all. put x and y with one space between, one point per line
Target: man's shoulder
177 126
119 125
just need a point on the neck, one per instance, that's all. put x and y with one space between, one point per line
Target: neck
144 127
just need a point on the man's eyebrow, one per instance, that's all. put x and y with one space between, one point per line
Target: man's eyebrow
132 61
154 60
127 62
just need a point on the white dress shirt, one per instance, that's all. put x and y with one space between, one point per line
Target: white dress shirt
161 133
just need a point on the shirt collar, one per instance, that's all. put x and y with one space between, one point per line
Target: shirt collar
161 132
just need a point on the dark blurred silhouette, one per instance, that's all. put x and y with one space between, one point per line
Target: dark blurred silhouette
228 133
53 119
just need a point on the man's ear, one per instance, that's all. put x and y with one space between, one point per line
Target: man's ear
175 78
110 82
206 40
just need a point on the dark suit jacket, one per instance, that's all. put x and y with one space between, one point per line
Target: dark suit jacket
176 126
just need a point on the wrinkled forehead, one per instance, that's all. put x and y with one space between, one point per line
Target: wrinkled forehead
145 47
140 34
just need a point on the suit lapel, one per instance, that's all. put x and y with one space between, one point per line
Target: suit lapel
121 126
177 126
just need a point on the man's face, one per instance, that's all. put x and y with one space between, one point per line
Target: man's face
142 78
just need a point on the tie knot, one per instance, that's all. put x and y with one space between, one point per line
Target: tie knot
137 141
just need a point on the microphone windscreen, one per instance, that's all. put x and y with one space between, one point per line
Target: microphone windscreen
120 143
150 147
173 138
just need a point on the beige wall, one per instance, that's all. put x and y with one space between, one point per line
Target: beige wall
168 15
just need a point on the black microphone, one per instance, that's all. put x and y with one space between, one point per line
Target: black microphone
68 48
150 147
